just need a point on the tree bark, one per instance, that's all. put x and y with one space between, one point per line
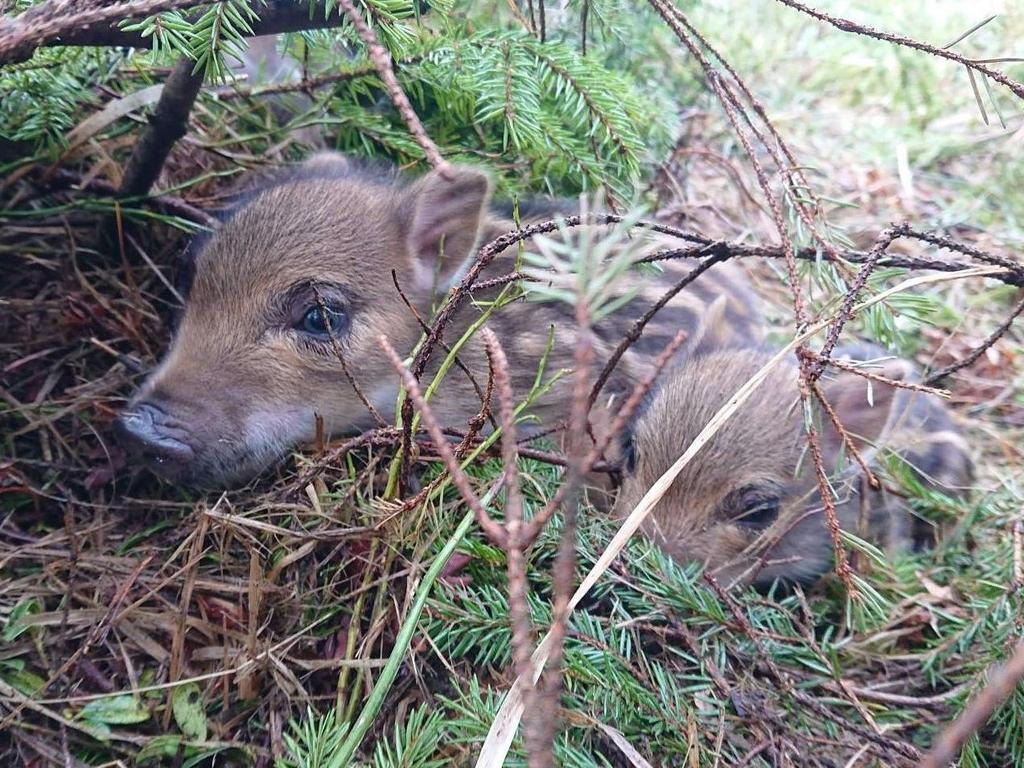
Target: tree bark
168 124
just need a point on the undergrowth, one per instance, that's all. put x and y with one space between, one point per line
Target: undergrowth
147 624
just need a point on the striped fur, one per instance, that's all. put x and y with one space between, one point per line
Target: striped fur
748 504
242 383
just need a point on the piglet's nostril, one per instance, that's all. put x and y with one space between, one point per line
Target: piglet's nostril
149 432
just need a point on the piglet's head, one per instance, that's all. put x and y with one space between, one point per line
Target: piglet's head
308 257
747 505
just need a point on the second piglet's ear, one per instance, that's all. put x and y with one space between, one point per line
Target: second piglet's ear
443 213
327 163
713 331
865 408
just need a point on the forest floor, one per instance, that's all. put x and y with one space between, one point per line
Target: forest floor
144 622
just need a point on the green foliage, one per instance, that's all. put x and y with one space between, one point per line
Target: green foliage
629 663
42 99
583 262
100 715
313 740
416 743
189 712
562 122
543 115
651 646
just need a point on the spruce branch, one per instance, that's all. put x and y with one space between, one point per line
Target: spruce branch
77 23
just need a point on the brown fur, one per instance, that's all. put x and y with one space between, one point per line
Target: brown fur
747 505
241 385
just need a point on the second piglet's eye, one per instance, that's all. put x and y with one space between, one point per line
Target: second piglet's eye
752 507
759 514
323 320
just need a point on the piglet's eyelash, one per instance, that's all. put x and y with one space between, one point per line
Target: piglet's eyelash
316 345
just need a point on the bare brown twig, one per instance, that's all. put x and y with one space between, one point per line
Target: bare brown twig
842 564
492 529
61 178
541 752
882 242
381 59
231 93
336 348
518 587
168 123
907 42
843 434
78 22
903 754
1001 682
714 255
978 351
20 36
866 373
625 413
734 111
487 253
795 180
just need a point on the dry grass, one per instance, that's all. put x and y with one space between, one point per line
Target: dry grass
126 600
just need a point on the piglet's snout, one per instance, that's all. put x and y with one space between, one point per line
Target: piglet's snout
148 431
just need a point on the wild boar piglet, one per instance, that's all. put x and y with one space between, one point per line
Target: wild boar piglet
316 253
747 505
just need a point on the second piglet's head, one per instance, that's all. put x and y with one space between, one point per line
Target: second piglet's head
748 505
307 257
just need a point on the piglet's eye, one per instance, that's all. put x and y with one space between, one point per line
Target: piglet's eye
317 322
758 513
754 507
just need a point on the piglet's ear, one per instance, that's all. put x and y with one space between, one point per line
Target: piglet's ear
328 163
866 409
713 331
443 214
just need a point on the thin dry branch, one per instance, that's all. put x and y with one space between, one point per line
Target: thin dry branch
230 93
487 253
336 348
381 58
679 25
714 255
405 465
860 370
907 42
885 238
540 738
536 525
793 175
493 530
21 35
168 123
519 609
844 435
842 564
734 111
1014 272
978 351
518 586
1002 681
943 241
53 180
